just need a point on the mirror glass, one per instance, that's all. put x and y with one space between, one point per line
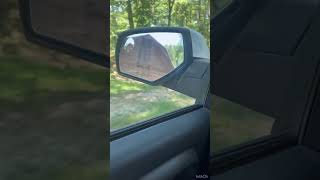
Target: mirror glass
79 23
150 56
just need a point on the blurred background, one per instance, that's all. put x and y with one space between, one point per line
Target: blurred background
53 109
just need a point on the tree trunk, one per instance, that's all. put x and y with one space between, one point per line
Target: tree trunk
199 17
130 15
154 20
170 4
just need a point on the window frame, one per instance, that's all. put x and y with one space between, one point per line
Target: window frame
122 132
249 151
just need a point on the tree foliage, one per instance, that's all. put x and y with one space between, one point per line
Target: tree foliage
194 14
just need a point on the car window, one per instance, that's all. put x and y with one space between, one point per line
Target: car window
219 5
132 101
233 124
52 109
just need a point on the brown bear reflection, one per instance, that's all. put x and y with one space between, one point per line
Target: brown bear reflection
144 57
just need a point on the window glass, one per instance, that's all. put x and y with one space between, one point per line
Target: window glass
233 124
132 101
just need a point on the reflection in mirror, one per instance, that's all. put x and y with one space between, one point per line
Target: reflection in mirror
72 22
151 56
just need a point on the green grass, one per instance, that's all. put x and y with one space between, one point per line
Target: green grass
22 80
124 86
148 111
133 102
52 121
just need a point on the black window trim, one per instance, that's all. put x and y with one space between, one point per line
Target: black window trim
252 150
151 122
310 105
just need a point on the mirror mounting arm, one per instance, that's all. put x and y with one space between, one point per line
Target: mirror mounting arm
194 82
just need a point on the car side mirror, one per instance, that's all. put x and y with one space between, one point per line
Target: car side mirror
166 56
151 56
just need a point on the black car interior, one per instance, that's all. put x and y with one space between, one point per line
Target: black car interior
268 51
183 142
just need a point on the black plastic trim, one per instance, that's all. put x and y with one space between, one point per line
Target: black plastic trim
311 105
145 124
245 153
229 9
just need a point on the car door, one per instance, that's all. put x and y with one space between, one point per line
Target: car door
174 147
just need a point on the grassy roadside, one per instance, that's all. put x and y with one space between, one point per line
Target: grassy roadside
52 121
121 86
23 79
132 102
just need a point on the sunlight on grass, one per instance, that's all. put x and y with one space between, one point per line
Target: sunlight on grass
149 110
120 86
133 102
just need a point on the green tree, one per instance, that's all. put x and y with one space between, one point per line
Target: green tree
194 14
170 7
130 14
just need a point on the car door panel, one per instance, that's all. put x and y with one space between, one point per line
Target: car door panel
169 169
177 144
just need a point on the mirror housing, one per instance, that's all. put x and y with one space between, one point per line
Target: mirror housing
193 72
